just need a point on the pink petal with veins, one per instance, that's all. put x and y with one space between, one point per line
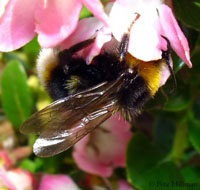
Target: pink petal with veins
88 28
56 20
17 24
173 32
145 36
104 149
103 36
83 157
97 9
57 182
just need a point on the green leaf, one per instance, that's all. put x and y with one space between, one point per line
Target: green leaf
31 50
196 108
197 4
9 56
177 103
164 133
30 165
191 177
85 13
145 168
194 131
191 174
188 12
195 77
16 98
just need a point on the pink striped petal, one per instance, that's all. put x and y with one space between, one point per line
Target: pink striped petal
103 36
173 32
97 9
56 20
17 24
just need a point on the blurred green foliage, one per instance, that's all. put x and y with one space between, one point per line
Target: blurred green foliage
164 156
16 97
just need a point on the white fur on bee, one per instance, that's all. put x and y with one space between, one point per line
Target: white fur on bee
47 59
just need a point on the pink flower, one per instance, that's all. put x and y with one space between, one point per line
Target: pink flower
146 41
57 182
104 149
156 19
9 158
21 179
4 181
16 179
5 161
53 20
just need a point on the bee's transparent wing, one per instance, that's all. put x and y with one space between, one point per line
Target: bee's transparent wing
59 141
66 121
68 110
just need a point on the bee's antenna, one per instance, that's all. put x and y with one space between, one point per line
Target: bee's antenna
123 48
165 55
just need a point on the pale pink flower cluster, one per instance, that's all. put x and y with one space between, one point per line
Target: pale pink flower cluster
54 182
53 20
13 178
19 179
57 20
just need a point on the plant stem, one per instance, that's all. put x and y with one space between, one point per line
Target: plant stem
179 144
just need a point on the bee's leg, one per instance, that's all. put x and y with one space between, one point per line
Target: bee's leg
75 48
123 47
166 57
81 45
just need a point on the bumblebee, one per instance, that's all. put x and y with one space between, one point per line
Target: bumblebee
87 95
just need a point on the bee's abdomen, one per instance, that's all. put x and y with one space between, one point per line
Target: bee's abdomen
133 94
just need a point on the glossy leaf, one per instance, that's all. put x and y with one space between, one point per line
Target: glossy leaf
191 174
146 168
188 12
16 98
177 103
31 50
164 133
30 165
